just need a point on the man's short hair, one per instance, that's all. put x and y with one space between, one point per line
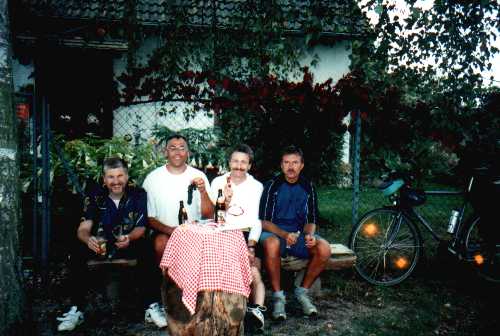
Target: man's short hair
113 163
292 149
243 148
176 136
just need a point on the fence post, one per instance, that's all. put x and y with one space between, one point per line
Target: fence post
45 233
356 168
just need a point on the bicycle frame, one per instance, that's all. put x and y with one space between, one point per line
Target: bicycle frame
411 212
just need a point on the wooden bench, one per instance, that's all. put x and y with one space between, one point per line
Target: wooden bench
342 257
111 269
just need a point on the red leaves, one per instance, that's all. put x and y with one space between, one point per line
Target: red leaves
212 83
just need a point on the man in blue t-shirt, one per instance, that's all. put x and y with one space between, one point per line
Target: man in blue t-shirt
112 227
289 213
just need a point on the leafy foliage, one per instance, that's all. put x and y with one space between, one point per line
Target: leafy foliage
85 156
203 148
269 114
426 102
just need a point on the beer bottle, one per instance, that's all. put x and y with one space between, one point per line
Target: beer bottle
182 216
220 209
101 240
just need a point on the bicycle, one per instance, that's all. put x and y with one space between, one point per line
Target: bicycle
388 242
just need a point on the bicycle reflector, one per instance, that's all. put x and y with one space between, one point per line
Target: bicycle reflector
390 187
478 259
401 263
370 230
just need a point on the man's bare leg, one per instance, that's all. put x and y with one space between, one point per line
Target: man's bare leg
319 257
159 245
272 261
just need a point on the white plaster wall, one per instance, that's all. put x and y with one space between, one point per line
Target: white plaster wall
333 61
21 74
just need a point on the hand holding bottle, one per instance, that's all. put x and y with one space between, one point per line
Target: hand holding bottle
228 191
291 238
310 240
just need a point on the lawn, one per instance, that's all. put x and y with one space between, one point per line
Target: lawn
441 297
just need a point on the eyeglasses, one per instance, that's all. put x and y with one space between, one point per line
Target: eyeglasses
176 149
235 210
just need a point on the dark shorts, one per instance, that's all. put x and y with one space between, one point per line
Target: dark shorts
298 249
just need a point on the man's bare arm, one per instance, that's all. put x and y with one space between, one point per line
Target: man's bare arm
271 227
159 226
136 233
289 237
85 237
207 208
310 228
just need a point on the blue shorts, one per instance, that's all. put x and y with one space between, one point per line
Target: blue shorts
298 249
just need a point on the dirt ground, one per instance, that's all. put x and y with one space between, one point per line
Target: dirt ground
344 306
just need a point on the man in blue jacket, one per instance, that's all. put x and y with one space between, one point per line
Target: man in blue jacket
289 214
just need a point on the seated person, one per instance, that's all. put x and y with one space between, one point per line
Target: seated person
113 206
167 185
242 194
289 213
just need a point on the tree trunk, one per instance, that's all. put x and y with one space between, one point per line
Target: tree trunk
11 298
217 313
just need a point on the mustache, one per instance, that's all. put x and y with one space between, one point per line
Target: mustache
239 169
290 171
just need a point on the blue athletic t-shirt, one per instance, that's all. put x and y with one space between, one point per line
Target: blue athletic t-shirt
291 207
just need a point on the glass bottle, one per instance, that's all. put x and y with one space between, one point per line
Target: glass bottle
101 240
220 208
182 216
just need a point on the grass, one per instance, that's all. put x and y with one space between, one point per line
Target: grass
437 299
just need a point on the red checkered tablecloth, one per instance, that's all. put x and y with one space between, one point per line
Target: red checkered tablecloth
197 258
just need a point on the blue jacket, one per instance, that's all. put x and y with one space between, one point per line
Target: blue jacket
269 201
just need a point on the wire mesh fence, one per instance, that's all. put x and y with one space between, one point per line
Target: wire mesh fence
138 121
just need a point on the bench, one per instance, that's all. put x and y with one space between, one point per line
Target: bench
111 269
342 257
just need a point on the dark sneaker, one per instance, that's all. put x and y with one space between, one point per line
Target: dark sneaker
255 318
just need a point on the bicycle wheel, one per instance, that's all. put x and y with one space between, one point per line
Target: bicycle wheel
474 247
387 246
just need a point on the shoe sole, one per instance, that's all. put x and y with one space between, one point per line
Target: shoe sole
76 325
253 322
150 320
313 314
279 318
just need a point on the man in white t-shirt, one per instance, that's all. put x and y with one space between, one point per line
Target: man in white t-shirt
242 197
167 185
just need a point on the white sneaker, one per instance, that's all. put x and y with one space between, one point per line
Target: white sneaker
157 315
70 320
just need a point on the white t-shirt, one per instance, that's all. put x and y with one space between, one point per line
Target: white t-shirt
165 190
246 197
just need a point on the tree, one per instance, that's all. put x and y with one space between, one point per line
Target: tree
11 297
422 73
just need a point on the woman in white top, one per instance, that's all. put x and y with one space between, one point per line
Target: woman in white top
242 196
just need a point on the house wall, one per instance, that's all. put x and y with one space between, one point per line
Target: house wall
21 74
138 120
